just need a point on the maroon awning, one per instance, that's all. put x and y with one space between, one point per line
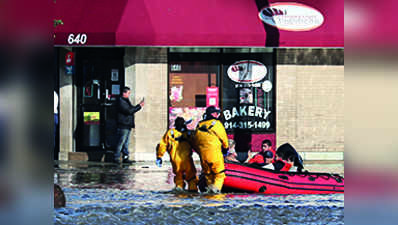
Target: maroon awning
222 23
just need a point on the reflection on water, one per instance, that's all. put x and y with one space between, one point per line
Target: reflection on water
142 194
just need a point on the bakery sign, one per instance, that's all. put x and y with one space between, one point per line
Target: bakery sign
249 78
291 16
246 117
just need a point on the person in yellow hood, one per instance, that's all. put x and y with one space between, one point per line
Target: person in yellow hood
211 141
176 141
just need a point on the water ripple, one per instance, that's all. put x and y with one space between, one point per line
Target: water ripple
131 196
112 206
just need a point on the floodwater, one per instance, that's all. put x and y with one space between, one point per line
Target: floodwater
142 194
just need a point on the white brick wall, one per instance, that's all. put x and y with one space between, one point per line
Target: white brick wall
310 107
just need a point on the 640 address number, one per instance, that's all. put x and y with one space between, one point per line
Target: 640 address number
77 39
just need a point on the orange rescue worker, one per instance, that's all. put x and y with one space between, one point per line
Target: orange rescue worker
266 160
210 140
176 141
259 158
262 159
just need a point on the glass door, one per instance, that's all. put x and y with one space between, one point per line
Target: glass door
100 77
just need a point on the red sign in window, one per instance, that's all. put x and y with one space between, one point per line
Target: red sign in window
69 59
212 96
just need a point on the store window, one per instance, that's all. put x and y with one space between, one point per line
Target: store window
192 76
248 92
240 81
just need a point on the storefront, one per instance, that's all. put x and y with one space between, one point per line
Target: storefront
183 57
239 81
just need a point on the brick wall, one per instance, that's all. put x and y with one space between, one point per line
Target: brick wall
146 74
310 106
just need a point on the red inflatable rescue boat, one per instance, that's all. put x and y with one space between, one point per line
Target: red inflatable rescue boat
247 178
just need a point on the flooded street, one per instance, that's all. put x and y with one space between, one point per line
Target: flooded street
141 194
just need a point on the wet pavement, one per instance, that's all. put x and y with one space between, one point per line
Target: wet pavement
103 193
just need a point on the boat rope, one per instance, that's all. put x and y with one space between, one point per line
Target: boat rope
338 178
312 177
326 177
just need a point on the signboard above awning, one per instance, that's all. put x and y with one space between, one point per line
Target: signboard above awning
221 23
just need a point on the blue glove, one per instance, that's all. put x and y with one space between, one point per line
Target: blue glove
159 162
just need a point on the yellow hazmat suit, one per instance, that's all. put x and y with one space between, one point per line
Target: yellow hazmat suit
210 136
177 144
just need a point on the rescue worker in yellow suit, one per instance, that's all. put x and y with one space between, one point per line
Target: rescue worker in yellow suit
176 141
211 141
